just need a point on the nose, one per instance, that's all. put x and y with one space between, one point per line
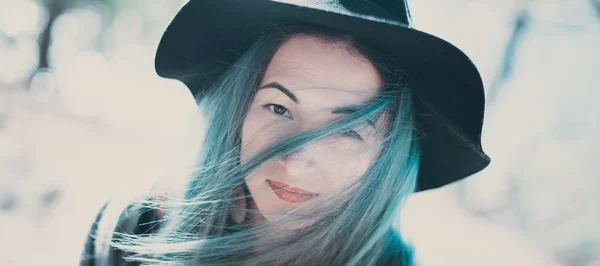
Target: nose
299 164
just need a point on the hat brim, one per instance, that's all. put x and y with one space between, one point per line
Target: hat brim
449 93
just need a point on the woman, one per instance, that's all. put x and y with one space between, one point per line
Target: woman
322 119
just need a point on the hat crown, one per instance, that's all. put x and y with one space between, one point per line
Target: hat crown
388 11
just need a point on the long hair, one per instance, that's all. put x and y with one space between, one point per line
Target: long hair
355 226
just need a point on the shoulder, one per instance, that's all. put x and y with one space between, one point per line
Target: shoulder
397 252
115 216
89 249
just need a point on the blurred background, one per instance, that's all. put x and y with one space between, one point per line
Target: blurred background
83 117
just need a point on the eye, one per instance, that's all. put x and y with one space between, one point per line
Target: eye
352 134
278 110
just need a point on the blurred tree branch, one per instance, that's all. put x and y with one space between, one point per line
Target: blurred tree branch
522 21
54 8
596 5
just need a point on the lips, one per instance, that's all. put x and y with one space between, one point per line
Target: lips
290 194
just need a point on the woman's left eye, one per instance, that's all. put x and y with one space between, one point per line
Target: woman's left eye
352 134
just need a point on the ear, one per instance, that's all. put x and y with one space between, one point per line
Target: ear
238 208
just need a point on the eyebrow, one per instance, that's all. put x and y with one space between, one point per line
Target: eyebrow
277 85
351 109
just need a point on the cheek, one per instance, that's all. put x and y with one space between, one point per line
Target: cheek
258 132
347 168
251 141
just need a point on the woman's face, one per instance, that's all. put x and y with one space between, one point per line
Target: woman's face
306 80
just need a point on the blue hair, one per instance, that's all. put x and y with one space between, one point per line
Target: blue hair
357 226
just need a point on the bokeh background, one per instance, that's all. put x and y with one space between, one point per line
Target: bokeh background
83 117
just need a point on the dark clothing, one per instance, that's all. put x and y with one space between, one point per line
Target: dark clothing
115 217
127 218
87 257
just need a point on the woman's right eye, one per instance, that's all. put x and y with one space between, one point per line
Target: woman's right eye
278 110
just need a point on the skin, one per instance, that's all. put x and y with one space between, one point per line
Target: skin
319 76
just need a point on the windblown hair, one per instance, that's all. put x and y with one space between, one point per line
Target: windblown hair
357 226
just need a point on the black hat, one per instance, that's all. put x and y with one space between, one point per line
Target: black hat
448 93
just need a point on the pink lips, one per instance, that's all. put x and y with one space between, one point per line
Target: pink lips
290 194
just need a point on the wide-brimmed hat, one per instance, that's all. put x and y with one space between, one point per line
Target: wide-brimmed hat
207 35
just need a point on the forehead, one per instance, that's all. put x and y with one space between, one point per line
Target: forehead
323 72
